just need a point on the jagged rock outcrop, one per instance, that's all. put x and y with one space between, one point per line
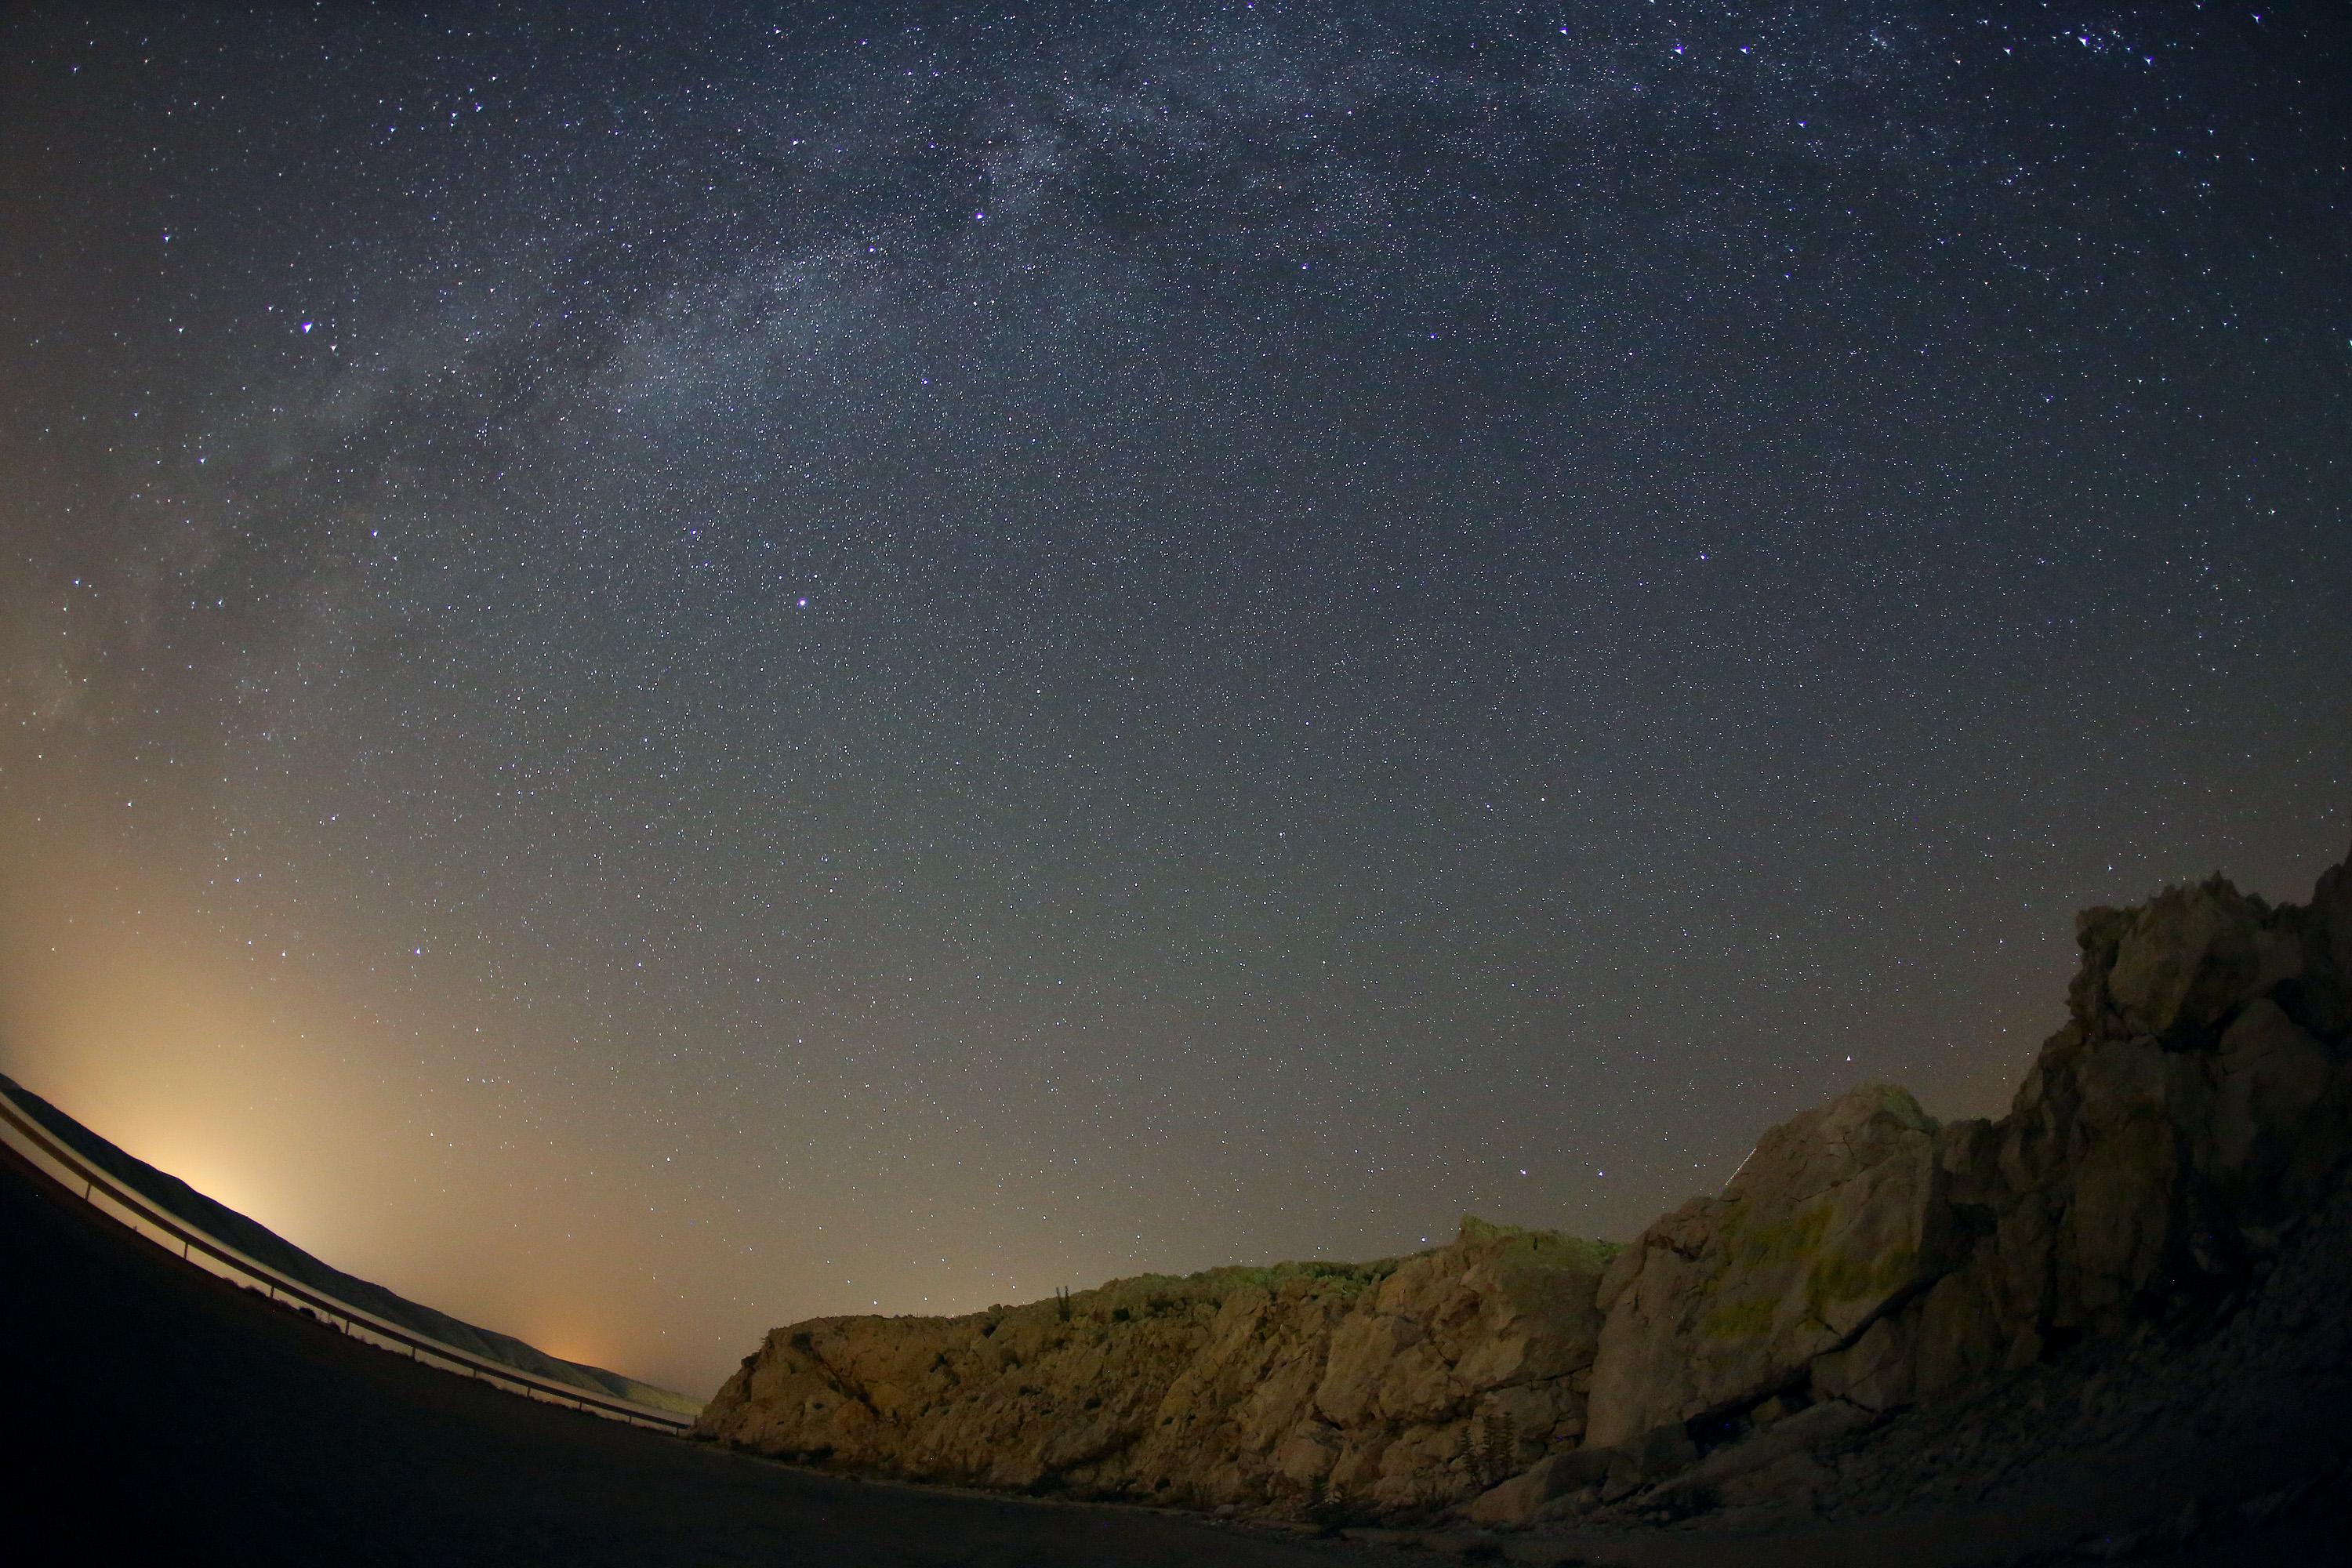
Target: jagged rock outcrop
1836 1215
2192 1110
1409 1383
2166 1145
2193 1107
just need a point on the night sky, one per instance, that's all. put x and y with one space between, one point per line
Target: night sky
666 668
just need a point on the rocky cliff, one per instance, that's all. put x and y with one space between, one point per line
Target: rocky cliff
2164 1151
1408 1382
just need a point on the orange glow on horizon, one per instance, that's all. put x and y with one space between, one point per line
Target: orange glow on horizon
244 1077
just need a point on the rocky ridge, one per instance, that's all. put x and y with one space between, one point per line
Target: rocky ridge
1406 1381
2142 1218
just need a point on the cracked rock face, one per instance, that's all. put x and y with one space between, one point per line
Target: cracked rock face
2168 1141
1837 1214
1410 1383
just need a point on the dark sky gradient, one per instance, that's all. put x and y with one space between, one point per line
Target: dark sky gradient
671 668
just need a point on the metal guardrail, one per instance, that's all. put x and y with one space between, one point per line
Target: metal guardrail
352 1321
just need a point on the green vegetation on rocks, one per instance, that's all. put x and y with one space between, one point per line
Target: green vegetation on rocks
2194 1110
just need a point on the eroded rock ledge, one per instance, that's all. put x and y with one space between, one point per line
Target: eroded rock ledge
2165 1148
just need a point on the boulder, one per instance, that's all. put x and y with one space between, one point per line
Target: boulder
2178 963
1877 1372
1516 1500
1837 1217
2277 1126
1771 1459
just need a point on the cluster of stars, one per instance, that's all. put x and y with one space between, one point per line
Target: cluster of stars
861 667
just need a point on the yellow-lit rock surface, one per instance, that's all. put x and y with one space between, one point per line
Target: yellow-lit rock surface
1411 1382
2168 1139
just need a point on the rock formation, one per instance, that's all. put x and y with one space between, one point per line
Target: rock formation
2163 1151
1408 1383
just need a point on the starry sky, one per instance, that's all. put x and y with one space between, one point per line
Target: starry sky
669 667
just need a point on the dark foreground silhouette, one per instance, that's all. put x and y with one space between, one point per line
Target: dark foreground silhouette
159 1415
171 1202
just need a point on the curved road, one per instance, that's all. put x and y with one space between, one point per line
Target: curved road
162 1414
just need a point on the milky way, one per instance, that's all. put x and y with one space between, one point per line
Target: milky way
674 667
